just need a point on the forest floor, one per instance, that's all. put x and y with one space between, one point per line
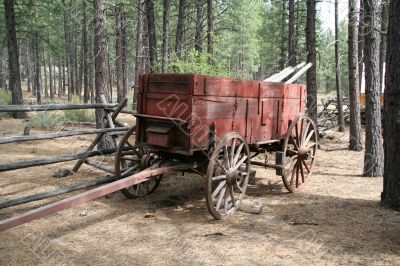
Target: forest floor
335 219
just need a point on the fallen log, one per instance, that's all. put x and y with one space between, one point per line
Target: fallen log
56 192
60 135
52 107
53 160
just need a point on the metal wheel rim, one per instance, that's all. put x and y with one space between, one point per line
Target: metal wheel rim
221 189
302 135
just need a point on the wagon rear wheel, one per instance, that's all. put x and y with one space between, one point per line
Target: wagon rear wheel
129 160
227 175
299 148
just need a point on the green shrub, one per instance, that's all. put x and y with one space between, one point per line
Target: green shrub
46 120
199 63
80 115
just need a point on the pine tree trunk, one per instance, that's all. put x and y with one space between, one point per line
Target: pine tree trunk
13 60
361 39
391 177
373 159
86 95
210 28
151 28
180 29
37 70
282 48
46 89
63 76
51 86
311 58
292 35
165 53
101 64
198 39
28 68
139 65
339 90
60 79
68 54
382 46
120 52
354 93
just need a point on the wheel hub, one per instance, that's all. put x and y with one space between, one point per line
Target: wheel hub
303 153
232 177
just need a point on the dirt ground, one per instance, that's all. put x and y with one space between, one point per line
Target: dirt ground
334 219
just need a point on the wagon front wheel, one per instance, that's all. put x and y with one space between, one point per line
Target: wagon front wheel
227 176
129 160
299 149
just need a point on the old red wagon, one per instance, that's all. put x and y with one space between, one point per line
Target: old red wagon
218 125
211 126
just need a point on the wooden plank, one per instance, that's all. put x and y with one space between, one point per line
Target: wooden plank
52 107
60 134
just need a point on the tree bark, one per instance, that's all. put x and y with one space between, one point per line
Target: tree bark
339 90
198 39
13 60
292 35
101 63
151 28
373 158
391 177
283 34
354 93
361 39
180 29
46 89
86 95
140 57
210 28
165 53
60 79
51 86
382 46
68 53
37 69
120 62
311 58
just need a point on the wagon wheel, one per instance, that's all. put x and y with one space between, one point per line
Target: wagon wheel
227 175
299 147
128 161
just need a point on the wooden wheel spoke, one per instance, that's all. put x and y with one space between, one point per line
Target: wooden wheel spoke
226 157
309 146
221 196
239 163
294 142
130 169
297 175
293 173
226 199
305 165
238 152
306 131
301 172
218 188
232 195
221 165
233 149
297 135
309 137
219 177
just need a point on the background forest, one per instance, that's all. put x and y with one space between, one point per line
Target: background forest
248 39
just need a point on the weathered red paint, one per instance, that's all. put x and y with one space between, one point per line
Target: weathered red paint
259 110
